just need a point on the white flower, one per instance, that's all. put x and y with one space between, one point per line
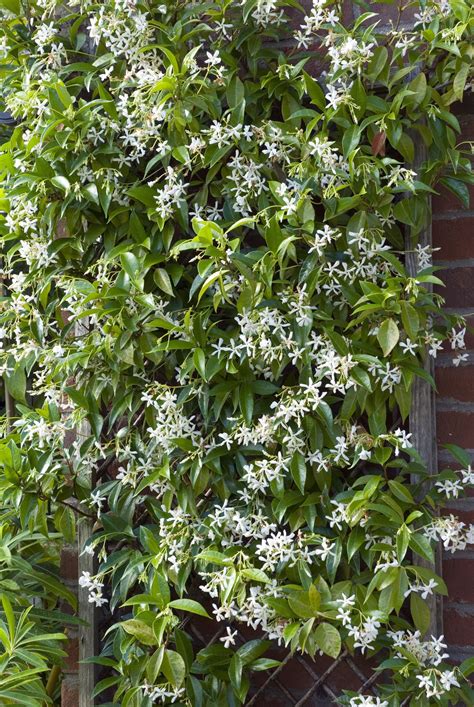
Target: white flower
404 44
97 499
229 639
338 516
467 475
44 35
324 549
449 680
457 338
213 59
365 634
367 701
345 602
423 589
409 347
460 358
426 684
94 586
449 488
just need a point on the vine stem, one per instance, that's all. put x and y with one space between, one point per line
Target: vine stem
52 680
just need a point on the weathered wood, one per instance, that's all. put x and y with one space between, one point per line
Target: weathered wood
422 419
86 610
9 402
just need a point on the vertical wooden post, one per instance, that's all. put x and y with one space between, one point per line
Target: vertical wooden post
86 610
9 402
422 420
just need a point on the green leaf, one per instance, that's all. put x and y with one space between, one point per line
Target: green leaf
328 640
238 680
351 139
199 360
256 575
163 281
66 523
61 183
264 664
388 335
420 613
210 280
314 598
246 402
403 398
130 264
467 667
7 608
154 664
410 319
298 470
419 86
422 546
15 381
194 607
401 492
314 91
402 541
459 189
140 630
355 540
300 603
460 81
144 194
184 646
235 92
216 558
378 62
173 668
252 650
459 454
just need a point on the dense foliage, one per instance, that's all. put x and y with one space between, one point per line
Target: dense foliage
205 210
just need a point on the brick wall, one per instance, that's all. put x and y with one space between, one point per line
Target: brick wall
453 234
70 681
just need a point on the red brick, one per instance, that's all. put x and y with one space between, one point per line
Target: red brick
71 663
272 697
458 574
469 338
445 200
457 383
70 691
454 237
68 566
466 516
455 428
458 290
458 627
466 122
389 13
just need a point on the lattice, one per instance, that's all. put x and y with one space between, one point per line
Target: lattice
300 681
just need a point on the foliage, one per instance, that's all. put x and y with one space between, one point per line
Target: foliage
203 240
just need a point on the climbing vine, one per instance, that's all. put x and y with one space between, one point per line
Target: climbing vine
205 207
